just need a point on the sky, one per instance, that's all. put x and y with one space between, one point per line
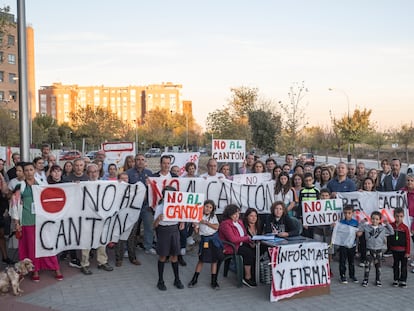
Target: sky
363 50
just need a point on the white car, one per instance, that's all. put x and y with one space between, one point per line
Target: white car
410 169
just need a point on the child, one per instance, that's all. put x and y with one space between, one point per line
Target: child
168 243
210 245
345 253
308 193
375 234
400 247
324 233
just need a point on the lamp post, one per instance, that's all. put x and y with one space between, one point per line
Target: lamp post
136 137
186 134
349 119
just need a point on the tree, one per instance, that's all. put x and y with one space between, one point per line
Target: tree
405 137
376 140
318 139
293 116
266 126
97 125
9 129
353 129
44 129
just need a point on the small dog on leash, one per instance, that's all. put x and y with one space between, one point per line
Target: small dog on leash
12 276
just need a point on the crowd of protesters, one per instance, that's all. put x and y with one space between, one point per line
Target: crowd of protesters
294 184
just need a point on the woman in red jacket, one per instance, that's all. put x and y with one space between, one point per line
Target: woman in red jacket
232 230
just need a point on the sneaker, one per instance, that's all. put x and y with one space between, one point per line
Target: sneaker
75 263
35 278
150 251
354 279
378 283
412 271
412 263
362 264
178 284
395 283
344 280
387 254
190 241
59 277
249 283
365 283
86 270
403 284
126 254
161 286
118 263
106 267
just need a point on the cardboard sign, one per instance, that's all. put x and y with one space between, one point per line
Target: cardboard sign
84 215
226 150
298 267
116 152
321 212
344 235
183 206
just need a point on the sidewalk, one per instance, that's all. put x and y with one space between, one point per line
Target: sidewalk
134 288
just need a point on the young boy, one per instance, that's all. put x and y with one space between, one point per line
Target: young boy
375 234
308 193
400 247
345 253
324 233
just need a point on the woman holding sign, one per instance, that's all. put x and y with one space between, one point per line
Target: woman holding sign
26 224
168 243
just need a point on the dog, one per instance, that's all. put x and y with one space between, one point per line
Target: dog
13 276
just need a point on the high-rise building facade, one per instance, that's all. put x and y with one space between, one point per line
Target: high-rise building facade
9 67
129 103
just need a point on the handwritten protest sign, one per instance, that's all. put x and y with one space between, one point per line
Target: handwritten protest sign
365 202
252 179
84 215
221 191
298 267
321 212
116 152
182 158
226 150
344 235
183 206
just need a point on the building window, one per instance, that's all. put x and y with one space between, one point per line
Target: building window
11 59
12 78
1 96
1 56
1 76
10 40
12 95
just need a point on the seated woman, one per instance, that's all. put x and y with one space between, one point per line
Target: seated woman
280 223
231 229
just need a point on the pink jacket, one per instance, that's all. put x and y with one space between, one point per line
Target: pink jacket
410 199
228 232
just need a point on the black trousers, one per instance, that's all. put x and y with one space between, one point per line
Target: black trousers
400 266
346 254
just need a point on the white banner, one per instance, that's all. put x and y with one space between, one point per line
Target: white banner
183 206
227 150
344 235
84 215
221 191
182 158
365 202
321 212
252 179
298 267
116 152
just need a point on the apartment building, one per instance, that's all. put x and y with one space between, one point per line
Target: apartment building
9 67
129 103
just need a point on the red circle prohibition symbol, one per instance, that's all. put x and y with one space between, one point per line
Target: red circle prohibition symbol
53 200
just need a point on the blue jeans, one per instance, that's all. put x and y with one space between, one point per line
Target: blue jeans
147 218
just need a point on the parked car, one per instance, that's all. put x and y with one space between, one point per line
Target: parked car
306 158
92 154
153 153
410 169
70 155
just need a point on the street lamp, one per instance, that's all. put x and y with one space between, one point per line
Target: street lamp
186 134
349 118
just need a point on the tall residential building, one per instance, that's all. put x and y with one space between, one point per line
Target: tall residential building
9 67
129 103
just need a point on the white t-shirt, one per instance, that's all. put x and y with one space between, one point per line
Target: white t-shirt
207 230
158 212
218 175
